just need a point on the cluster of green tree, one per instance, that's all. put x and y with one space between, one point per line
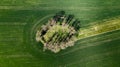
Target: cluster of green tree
61 17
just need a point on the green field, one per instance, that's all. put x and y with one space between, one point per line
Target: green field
19 19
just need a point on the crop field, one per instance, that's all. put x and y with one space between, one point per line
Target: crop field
98 44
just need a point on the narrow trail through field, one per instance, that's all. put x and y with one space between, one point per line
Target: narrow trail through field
107 25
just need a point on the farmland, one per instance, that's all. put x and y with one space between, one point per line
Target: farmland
19 19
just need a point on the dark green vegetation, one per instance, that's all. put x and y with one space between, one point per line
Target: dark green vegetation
18 48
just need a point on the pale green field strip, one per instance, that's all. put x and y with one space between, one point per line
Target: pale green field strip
13 23
100 28
84 8
56 3
16 55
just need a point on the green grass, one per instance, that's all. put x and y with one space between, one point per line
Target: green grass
19 49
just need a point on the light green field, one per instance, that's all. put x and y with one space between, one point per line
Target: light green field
19 19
